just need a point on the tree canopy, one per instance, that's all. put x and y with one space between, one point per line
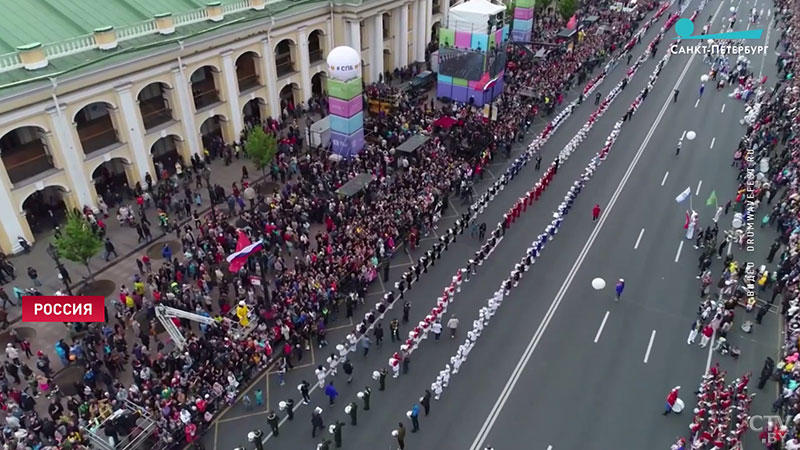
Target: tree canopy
78 242
567 8
261 147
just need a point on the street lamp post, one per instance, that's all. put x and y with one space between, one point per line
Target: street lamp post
52 250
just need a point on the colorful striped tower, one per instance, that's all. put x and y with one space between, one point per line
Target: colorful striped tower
523 21
345 102
490 84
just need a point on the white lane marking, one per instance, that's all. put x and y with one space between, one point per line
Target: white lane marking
710 352
697 192
665 178
766 42
639 239
494 413
723 109
697 102
678 254
513 379
712 142
649 346
602 325
683 135
730 245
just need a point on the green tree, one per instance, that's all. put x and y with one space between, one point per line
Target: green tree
567 8
78 242
261 147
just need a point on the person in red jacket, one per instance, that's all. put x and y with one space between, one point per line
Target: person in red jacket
672 398
595 212
708 332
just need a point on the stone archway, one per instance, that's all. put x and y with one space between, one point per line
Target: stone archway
45 209
318 83
287 94
251 112
165 153
25 153
111 178
95 126
211 131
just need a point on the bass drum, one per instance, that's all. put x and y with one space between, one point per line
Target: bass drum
678 406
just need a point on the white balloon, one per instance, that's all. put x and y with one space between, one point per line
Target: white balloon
704 77
344 63
690 135
598 283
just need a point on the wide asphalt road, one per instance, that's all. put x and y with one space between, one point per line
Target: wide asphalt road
569 381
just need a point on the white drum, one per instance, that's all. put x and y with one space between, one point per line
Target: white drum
678 406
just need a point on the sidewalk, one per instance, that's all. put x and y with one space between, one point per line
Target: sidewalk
124 239
108 275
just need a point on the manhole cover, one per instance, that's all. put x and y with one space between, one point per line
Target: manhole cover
155 250
67 377
98 287
22 332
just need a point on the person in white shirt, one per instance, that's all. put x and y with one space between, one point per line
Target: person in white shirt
793 444
452 324
12 353
437 330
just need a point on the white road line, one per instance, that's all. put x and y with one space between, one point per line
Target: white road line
602 325
712 142
513 379
697 103
697 192
766 42
639 239
710 352
649 346
683 135
678 254
723 109
665 178
730 245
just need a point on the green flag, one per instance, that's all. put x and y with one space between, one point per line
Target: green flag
712 199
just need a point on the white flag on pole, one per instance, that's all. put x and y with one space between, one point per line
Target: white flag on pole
684 195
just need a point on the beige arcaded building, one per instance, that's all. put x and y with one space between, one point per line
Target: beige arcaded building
91 87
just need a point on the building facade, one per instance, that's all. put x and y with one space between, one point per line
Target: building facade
119 100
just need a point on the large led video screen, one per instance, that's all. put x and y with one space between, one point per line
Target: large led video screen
461 63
